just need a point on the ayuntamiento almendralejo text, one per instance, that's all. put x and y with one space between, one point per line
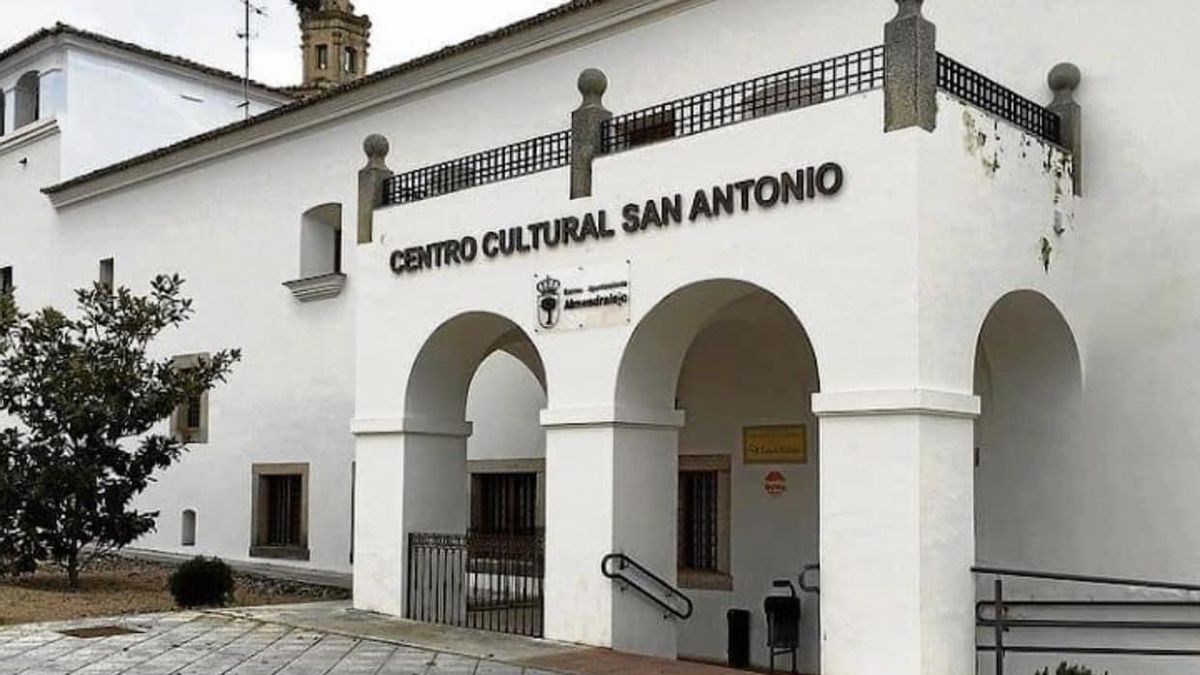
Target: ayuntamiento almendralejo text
766 192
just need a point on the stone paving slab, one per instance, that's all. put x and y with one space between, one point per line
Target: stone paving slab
197 643
311 639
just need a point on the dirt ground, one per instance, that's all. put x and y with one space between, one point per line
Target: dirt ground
116 585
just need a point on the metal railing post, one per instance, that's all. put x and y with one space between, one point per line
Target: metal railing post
998 611
587 128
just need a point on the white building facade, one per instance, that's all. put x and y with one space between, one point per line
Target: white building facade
858 308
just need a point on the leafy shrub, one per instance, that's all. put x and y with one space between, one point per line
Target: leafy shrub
202 582
1064 669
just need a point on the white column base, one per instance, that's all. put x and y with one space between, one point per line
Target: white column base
610 487
897 532
409 477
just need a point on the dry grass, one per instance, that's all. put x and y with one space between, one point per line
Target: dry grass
119 586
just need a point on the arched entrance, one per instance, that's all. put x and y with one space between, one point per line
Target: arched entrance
1028 377
472 477
743 503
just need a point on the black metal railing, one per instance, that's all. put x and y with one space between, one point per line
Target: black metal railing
799 87
618 567
997 616
485 581
490 166
969 85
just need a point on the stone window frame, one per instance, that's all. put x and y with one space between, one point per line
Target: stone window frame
187 528
179 428
722 578
108 274
27 99
495 466
259 507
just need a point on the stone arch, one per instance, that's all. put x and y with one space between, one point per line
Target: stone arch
1029 377
27 99
649 367
441 375
725 359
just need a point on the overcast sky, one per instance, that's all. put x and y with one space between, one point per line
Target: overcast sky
205 30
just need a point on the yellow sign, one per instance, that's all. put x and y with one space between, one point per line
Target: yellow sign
775 445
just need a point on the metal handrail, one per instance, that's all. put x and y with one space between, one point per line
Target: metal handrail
1085 579
624 561
1000 623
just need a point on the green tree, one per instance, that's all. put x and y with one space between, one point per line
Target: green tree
84 396
1064 669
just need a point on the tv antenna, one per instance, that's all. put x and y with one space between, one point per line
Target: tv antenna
246 35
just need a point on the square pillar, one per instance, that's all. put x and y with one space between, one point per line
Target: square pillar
611 482
897 532
410 477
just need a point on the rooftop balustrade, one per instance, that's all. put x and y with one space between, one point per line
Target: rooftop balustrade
786 91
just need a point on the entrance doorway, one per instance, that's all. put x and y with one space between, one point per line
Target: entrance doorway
482 564
737 362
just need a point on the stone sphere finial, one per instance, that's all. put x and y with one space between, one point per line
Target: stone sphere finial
909 8
592 84
376 146
1064 79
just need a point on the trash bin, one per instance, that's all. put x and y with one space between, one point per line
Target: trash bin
783 623
739 637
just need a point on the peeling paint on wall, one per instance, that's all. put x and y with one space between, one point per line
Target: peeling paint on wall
980 142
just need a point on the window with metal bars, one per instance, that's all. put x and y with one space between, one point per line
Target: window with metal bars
699 506
189 422
504 503
6 280
284 502
192 419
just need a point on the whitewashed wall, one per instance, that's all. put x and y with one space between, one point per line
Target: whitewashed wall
1122 274
122 108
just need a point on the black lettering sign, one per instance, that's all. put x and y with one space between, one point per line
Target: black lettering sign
637 218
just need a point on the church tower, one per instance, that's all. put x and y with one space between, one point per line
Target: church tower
334 41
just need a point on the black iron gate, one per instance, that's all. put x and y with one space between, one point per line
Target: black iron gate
485 581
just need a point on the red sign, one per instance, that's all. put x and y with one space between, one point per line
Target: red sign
775 483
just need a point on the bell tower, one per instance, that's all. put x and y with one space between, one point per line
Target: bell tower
334 42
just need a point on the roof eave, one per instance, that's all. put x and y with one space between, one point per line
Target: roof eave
418 75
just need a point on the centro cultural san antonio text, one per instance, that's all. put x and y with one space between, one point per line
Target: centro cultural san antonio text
766 192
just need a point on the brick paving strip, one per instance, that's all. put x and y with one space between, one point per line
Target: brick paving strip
311 639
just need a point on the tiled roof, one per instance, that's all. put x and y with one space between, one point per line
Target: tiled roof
65 29
474 43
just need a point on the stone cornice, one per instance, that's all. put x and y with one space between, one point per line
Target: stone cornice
895 402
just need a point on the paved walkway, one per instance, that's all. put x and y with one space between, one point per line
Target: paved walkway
318 638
